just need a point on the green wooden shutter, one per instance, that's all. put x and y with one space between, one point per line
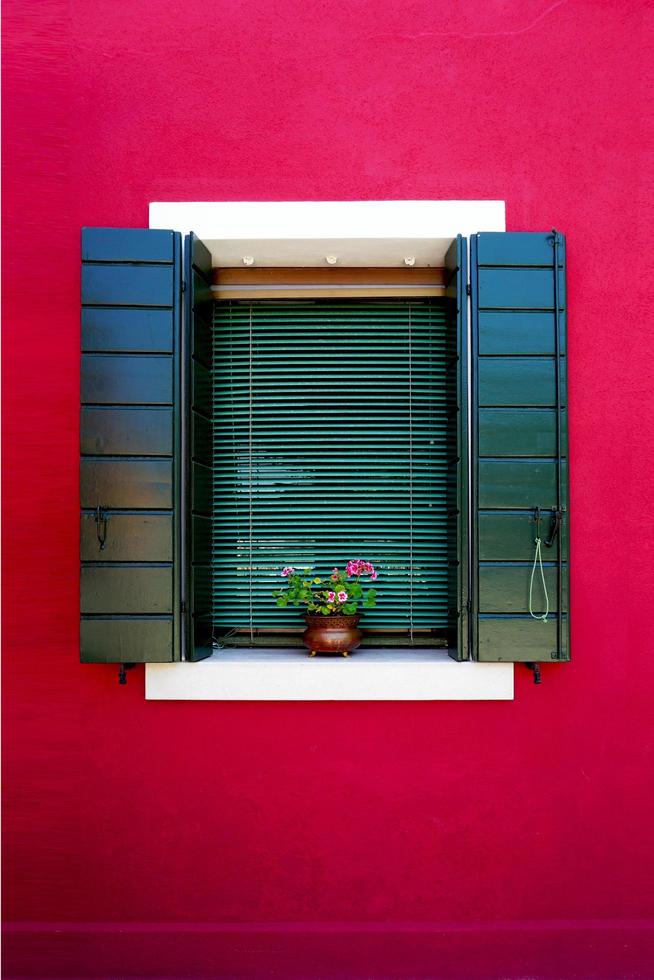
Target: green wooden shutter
519 440
457 454
130 430
331 443
198 450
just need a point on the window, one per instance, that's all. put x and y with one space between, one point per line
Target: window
148 460
331 432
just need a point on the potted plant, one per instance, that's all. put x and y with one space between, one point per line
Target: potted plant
332 605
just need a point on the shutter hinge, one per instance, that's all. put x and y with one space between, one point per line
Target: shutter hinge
468 289
183 286
183 607
122 672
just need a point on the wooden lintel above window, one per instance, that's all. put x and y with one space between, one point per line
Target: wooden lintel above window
295 283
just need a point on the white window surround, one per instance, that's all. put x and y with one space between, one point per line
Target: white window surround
303 233
291 675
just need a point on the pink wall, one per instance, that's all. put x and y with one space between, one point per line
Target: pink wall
523 812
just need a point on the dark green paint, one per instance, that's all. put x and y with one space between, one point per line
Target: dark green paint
127 589
202 389
130 591
516 332
201 346
517 432
129 537
504 588
126 640
456 384
517 289
520 639
138 331
199 413
127 483
127 379
517 459
127 285
520 381
201 280
127 431
201 544
127 245
528 249
202 439
510 536
510 483
202 489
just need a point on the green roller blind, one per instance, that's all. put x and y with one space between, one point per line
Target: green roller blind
330 443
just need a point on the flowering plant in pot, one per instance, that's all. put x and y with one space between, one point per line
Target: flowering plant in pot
332 604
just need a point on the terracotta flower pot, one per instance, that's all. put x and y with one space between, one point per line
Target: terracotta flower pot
331 634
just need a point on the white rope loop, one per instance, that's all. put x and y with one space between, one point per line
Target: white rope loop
538 561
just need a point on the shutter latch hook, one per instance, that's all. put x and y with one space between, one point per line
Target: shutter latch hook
101 526
537 520
555 527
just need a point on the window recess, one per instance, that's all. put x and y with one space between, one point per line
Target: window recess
332 431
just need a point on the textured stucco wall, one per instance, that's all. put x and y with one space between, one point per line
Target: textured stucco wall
122 810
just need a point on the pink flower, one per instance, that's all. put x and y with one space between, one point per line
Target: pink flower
335 575
287 570
374 576
331 596
360 567
342 596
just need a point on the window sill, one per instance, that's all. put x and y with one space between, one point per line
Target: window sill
290 675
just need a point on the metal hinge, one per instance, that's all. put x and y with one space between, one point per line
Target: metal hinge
468 289
183 286
122 672
183 608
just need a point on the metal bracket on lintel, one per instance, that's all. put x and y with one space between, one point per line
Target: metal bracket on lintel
122 672
535 669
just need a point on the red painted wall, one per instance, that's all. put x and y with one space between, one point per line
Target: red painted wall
125 811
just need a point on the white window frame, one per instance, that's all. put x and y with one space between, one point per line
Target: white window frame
304 233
